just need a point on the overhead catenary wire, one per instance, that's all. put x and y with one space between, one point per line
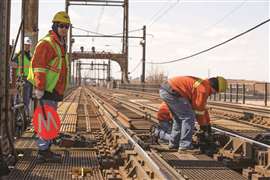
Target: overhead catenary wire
226 15
213 47
88 31
136 67
134 30
158 11
97 33
99 19
164 13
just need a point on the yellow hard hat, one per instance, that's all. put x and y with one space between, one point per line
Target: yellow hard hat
61 17
222 84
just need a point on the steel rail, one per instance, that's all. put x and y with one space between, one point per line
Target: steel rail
141 109
242 137
238 108
228 133
137 147
260 111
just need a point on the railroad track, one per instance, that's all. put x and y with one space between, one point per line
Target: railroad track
244 134
248 121
110 142
68 117
118 127
173 159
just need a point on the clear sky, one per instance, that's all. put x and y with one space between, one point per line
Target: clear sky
175 29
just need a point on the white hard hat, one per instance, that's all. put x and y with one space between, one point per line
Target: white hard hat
27 40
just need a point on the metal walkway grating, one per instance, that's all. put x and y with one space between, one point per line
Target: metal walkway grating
28 168
200 167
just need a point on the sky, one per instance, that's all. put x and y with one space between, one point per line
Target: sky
175 29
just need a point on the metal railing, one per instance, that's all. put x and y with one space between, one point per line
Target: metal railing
153 88
249 93
256 94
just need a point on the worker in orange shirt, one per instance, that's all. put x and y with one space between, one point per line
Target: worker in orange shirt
163 129
49 72
186 97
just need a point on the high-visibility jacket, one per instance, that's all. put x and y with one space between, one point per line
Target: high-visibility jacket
164 113
197 92
26 65
49 66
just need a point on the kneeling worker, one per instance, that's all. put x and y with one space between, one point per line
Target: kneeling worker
163 130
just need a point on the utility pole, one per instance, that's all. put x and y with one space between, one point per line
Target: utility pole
98 74
31 20
80 75
70 50
71 41
22 39
143 43
109 71
104 72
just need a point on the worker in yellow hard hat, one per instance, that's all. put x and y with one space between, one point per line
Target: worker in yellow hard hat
186 97
49 72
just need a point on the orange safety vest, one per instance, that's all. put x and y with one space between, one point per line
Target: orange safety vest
53 69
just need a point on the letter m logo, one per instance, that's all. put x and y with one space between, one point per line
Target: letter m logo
46 123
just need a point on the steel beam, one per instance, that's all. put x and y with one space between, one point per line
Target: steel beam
31 20
105 36
123 60
6 141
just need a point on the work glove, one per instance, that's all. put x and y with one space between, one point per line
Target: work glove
206 130
39 93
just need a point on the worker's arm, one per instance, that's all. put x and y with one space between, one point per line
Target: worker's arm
41 58
199 106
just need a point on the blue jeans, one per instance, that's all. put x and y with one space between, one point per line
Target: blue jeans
43 144
165 131
183 118
27 94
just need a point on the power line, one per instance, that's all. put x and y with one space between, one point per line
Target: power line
226 15
88 31
100 18
97 33
164 13
134 30
136 67
158 11
213 47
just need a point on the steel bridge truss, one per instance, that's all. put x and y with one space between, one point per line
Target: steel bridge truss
122 58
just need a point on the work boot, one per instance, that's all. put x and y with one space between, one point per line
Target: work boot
4 170
47 155
172 146
154 133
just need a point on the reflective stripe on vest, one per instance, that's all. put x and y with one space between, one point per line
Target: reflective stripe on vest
199 112
195 85
25 67
52 70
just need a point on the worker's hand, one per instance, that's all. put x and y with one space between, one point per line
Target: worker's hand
39 93
206 131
